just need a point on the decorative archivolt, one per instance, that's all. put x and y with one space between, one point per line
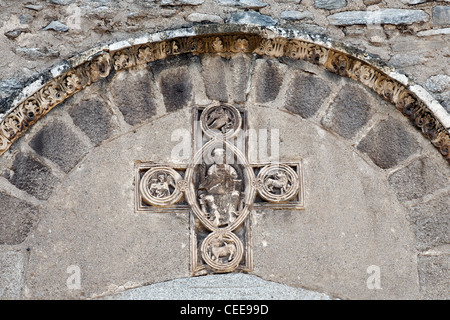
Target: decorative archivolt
17 122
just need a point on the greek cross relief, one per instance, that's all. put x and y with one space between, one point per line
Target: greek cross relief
219 188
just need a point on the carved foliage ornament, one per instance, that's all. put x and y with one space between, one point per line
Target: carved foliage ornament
99 66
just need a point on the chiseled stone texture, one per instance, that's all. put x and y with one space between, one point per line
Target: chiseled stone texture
17 217
58 143
441 15
94 119
32 176
419 178
306 94
214 78
11 274
239 67
389 143
176 88
134 96
268 80
349 111
434 276
381 16
233 286
431 222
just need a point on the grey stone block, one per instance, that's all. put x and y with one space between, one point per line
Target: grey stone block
58 143
418 179
441 15
252 17
32 176
239 65
214 78
94 119
388 144
11 275
201 17
330 4
349 112
434 276
431 223
269 79
305 94
132 93
219 287
294 15
16 219
176 88
244 4
438 83
57 26
382 16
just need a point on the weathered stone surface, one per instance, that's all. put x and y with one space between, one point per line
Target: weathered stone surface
269 79
305 94
434 276
16 219
244 4
330 4
411 2
214 78
371 2
382 16
402 60
239 66
434 32
56 26
32 176
202 17
181 2
294 15
26 18
431 222
176 87
36 53
438 83
418 179
252 17
11 274
94 118
441 15
133 94
349 112
219 287
388 144
58 143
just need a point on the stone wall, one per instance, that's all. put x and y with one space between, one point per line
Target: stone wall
392 192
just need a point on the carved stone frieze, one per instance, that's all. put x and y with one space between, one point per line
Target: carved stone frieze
19 119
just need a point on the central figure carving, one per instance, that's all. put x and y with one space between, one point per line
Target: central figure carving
219 191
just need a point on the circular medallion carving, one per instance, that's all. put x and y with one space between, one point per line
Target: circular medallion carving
222 251
277 183
221 121
161 186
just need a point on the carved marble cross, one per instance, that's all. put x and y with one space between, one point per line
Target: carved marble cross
220 188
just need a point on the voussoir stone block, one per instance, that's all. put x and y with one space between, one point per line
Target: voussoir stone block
269 79
58 143
16 219
349 112
419 178
32 176
176 88
431 222
434 276
306 94
133 95
239 65
214 78
94 119
388 144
